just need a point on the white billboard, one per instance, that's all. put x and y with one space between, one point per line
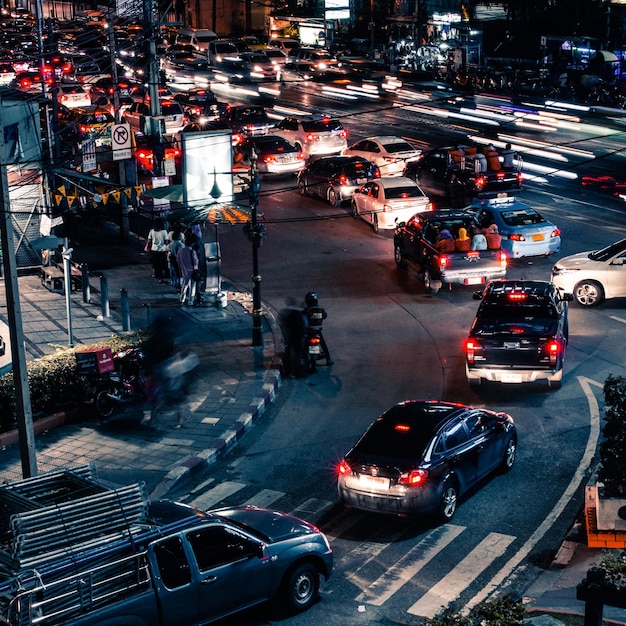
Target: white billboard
336 9
207 168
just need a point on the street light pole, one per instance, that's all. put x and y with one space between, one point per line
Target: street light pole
255 233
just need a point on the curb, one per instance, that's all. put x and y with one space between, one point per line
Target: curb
230 438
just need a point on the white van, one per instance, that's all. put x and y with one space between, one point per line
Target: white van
199 38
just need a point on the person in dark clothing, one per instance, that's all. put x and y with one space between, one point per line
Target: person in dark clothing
313 316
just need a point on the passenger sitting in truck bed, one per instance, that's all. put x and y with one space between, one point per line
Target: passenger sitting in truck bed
508 157
462 243
456 156
479 241
480 163
493 158
445 242
494 239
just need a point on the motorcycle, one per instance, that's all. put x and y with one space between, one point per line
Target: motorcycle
312 351
124 385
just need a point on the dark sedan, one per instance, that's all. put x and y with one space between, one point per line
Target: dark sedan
419 456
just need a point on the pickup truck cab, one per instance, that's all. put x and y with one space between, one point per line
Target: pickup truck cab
519 334
415 245
102 556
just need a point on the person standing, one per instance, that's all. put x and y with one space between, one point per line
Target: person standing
188 266
175 244
157 246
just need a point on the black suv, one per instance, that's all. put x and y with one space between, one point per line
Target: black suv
519 333
247 120
336 178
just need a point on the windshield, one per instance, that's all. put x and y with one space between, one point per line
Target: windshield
403 192
515 322
610 251
522 217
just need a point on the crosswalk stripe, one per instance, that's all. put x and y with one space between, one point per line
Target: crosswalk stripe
340 524
312 508
265 498
210 498
412 562
450 587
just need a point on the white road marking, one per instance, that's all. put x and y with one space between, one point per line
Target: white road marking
617 319
210 498
592 442
412 562
450 587
265 498
312 508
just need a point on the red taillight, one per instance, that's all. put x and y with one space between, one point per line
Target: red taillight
500 175
412 478
311 137
268 159
470 349
25 83
343 468
520 178
314 340
555 233
83 129
517 237
480 182
343 180
443 262
553 351
343 134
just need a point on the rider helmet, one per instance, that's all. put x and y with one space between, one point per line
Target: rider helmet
311 298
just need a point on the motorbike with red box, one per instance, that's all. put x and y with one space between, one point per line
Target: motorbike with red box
117 378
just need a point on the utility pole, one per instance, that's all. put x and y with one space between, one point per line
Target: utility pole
23 406
255 234
155 130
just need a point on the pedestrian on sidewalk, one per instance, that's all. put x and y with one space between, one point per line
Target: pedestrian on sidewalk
188 265
157 246
175 244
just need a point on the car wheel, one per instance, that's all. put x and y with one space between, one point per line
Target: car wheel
301 187
397 256
588 293
448 502
510 454
428 283
375 223
476 384
333 197
300 587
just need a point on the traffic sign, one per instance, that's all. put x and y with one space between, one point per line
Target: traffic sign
120 139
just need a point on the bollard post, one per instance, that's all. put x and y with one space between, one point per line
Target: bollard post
104 294
85 283
125 310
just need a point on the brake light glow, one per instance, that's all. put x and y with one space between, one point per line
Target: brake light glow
343 468
500 175
470 350
517 237
503 259
404 428
553 351
413 478
443 262
555 233
516 296
430 206
312 138
343 180
480 182
314 340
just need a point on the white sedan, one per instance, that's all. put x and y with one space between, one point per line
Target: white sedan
389 152
384 201
593 276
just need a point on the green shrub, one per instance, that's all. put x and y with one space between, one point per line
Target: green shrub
54 382
498 612
612 469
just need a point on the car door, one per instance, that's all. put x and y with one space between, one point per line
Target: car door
616 277
363 200
483 436
412 234
234 571
461 453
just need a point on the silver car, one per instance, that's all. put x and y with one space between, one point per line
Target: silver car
593 276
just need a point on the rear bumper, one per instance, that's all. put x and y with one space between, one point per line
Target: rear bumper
472 278
512 375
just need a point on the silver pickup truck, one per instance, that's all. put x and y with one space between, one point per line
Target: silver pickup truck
415 245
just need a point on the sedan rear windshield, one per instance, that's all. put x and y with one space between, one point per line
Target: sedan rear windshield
522 217
403 192
321 126
400 146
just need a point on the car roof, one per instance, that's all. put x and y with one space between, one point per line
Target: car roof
531 292
396 181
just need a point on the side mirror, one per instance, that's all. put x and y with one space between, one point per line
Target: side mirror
477 295
618 261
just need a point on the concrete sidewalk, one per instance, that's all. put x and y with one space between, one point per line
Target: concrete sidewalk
232 384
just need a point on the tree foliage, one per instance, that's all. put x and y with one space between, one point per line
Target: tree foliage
612 471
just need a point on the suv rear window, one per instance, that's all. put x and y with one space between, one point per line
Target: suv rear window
515 321
321 126
358 170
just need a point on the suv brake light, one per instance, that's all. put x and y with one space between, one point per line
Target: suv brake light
470 351
344 468
503 259
443 262
480 182
413 478
553 351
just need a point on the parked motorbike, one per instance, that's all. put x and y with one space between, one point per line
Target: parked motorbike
124 385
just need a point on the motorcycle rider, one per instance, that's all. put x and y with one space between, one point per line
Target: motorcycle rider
313 316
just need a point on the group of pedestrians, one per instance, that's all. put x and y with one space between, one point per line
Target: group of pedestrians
176 255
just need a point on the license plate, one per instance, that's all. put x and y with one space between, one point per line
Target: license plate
538 237
511 378
124 92
474 280
315 350
360 181
374 481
